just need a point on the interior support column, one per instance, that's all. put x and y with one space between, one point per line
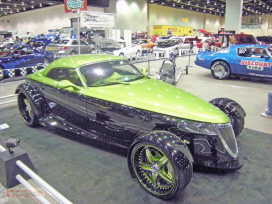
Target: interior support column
233 16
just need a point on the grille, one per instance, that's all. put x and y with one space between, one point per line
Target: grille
227 137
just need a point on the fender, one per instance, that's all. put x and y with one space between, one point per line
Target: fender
232 107
36 96
168 141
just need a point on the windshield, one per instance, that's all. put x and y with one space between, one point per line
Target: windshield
62 42
110 72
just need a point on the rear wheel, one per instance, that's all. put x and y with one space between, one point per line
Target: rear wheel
46 62
220 70
72 53
2 73
26 109
157 172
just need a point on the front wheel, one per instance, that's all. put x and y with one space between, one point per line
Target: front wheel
26 109
157 172
2 73
138 54
220 70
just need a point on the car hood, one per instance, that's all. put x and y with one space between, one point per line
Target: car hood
160 97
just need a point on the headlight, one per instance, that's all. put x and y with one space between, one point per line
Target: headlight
195 127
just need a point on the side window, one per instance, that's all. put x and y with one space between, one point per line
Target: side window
59 74
243 52
74 42
83 43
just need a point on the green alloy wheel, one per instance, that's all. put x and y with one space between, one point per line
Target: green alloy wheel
157 172
26 110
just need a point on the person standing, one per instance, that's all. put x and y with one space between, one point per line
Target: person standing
17 41
268 111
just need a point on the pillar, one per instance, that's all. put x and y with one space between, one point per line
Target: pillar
233 16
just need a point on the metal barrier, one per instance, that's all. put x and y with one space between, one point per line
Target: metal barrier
38 180
9 96
49 189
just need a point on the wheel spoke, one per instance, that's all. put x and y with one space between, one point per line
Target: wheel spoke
166 176
145 166
149 155
162 161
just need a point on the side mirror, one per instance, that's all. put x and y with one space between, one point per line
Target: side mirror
65 84
144 70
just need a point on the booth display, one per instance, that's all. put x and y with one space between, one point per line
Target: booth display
22 61
165 129
243 60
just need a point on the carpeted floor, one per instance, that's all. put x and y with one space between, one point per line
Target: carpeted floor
87 173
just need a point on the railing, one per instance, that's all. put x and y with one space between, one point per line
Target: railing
38 180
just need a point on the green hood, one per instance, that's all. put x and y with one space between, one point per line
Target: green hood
157 96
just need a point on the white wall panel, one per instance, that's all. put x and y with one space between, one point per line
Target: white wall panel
41 20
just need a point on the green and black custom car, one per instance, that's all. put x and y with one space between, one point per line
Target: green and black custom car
164 129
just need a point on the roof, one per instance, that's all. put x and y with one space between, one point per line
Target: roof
79 60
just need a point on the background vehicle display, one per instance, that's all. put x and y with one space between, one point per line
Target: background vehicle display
23 60
244 60
66 47
170 45
165 130
110 46
39 44
146 44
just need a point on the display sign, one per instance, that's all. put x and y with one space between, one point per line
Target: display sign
96 20
75 5
185 19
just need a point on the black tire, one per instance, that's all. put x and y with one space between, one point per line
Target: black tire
137 55
46 62
220 70
72 53
2 73
157 172
121 55
26 109
234 111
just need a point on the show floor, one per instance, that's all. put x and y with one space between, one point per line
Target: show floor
86 173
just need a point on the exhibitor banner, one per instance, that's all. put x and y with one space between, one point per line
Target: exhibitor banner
96 20
75 5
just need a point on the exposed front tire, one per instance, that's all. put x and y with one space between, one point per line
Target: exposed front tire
26 109
220 70
121 55
235 112
157 172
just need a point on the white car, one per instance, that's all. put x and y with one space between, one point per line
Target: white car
119 49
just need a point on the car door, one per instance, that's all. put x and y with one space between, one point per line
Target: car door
67 104
112 121
253 61
85 48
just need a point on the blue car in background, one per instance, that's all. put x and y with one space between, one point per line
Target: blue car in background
244 60
23 60
39 44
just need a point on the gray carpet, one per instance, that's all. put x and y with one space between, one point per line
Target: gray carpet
87 173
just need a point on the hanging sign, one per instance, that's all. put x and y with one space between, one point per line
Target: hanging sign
75 5
96 20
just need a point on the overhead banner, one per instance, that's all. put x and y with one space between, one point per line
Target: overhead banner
75 5
96 20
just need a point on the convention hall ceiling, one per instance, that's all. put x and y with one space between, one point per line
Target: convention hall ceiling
217 7
214 7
